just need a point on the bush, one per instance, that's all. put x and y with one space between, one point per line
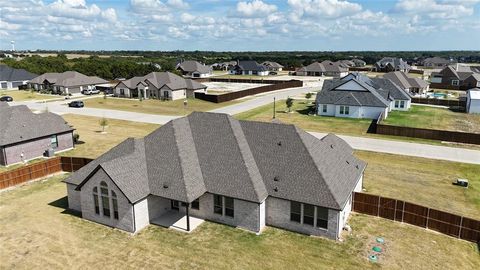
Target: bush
76 137
308 95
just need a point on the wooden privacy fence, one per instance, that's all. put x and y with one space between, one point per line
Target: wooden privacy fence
240 80
41 169
248 92
442 102
397 210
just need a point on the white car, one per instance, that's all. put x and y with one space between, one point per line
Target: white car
90 91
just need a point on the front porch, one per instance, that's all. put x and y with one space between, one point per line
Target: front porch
177 220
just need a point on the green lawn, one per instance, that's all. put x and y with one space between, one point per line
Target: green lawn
22 95
37 232
151 106
434 118
423 181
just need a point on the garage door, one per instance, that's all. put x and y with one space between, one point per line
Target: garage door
16 84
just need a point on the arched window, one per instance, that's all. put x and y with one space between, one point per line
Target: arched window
105 199
95 200
115 206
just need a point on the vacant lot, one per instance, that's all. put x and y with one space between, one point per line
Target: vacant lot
22 95
423 181
94 142
434 118
225 87
37 232
175 107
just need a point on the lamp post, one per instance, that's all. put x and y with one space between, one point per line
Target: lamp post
273 107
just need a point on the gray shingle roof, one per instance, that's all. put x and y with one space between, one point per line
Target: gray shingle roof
401 79
194 66
250 65
19 124
160 79
208 152
396 63
325 66
272 64
68 79
14 75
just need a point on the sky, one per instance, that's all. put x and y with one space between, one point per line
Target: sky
245 25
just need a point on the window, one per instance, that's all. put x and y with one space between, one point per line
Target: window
54 141
344 110
229 212
105 199
115 205
295 211
324 108
402 104
175 205
122 91
308 214
455 82
217 204
95 201
396 103
196 204
322 217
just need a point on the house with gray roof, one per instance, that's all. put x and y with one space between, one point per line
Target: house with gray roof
11 78
358 96
325 68
25 135
158 85
456 77
436 62
194 69
273 66
249 67
410 84
210 166
68 82
389 64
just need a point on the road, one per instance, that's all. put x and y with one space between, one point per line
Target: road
359 143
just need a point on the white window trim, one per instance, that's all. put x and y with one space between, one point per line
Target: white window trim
315 216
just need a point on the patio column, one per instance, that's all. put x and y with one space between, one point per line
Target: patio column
188 217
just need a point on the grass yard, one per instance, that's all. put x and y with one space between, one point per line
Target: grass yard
22 95
434 118
423 181
37 232
175 107
95 142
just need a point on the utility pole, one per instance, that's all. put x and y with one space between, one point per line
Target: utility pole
273 107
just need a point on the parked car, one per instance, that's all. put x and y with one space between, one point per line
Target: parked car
76 104
6 98
90 91
272 73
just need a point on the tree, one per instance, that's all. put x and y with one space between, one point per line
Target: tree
103 123
289 103
308 95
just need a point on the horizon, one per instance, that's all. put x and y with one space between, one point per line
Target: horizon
241 26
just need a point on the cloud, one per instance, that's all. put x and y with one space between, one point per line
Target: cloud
178 4
323 8
255 8
148 6
435 9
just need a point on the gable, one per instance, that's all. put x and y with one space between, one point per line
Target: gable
351 86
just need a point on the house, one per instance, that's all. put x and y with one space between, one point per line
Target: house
436 62
273 66
359 62
358 96
194 69
68 82
249 68
473 100
409 84
389 64
325 68
12 78
158 85
224 65
456 77
25 135
347 63
210 166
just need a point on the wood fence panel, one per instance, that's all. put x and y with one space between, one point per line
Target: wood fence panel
445 223
415 214
387 208
399 210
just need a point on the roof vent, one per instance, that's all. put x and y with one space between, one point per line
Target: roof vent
279 143
356 166
275 189
331 146
165 186
347 162
275 179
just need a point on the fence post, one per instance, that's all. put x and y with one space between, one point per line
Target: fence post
461 227
403 211
428 217
378 208
395 211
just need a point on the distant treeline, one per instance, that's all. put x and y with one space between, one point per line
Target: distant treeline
138 63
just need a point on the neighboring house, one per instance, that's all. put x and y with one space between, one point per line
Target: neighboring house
12 78
211 166
325 68
194 69
273 66
358 96
158 85
473 100
25 135
389 64
68 82
359 62
224 66
409 84
436 62
347 63
456 77
248 68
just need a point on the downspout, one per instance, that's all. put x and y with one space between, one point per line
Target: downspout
134 221
4 156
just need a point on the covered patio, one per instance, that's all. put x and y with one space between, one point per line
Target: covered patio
177 220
